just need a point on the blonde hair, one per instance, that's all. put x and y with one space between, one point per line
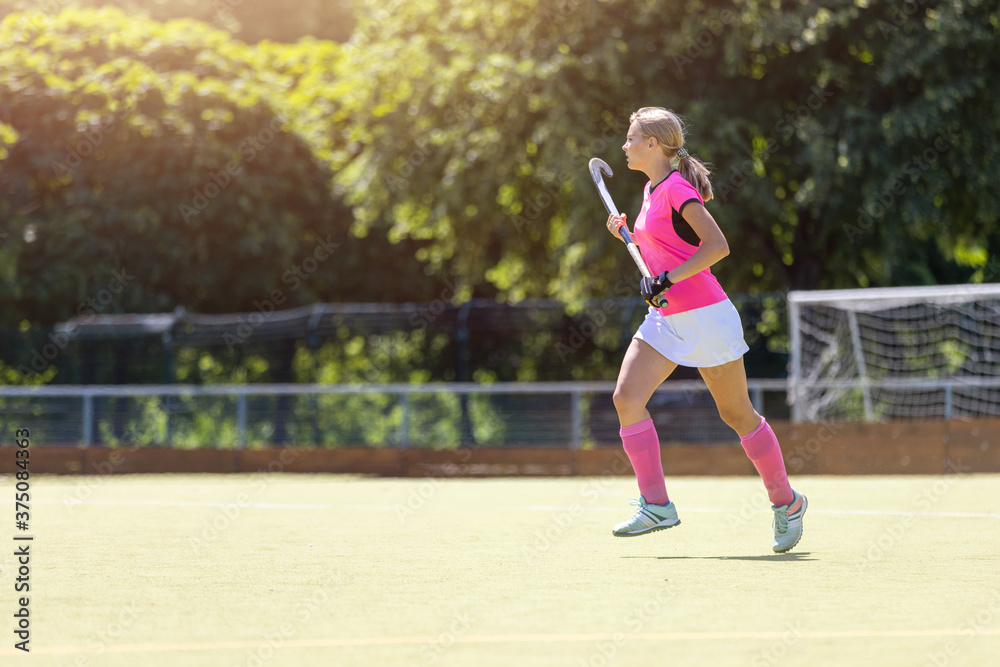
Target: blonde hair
668 130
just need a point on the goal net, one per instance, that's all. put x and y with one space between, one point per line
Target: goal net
895 353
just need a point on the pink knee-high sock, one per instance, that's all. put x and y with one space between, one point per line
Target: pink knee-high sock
643 448
763 449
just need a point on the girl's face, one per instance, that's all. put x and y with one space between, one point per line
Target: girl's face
639 150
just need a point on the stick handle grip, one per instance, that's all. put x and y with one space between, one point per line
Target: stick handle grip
633 250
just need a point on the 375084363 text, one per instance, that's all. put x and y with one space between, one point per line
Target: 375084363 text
22 551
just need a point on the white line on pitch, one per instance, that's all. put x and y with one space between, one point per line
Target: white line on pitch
182 503
539 508
501 639
729 510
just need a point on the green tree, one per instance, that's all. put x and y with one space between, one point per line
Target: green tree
196 164
248 20
471 126
858 158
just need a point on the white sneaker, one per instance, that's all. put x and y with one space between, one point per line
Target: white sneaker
788 523
647 519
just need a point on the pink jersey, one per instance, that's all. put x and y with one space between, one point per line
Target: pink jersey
666 240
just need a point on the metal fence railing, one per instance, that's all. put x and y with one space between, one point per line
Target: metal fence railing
403 415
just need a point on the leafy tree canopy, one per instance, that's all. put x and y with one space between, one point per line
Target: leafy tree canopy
247 20
854 141
193 162
854 144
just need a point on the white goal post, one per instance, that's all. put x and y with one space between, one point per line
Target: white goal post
895 353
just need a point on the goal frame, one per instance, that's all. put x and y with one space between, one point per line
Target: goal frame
870 299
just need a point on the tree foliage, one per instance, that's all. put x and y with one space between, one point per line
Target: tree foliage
472 128
880 112
250 21
448 140
192 162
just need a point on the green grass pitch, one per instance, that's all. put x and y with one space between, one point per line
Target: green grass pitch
304 570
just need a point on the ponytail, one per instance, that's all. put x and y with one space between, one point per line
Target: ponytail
695 173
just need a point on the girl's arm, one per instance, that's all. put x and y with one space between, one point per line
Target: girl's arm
713 243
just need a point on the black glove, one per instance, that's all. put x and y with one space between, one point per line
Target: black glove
652 289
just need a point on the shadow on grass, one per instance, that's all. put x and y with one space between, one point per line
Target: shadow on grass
797 556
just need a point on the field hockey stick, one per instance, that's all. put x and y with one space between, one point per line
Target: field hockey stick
597 165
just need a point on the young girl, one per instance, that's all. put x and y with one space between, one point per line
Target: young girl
698 327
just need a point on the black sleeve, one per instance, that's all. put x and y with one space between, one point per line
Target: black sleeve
680 209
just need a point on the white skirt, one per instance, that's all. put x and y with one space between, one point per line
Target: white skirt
701 338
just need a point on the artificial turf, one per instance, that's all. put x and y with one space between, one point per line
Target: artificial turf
305 570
